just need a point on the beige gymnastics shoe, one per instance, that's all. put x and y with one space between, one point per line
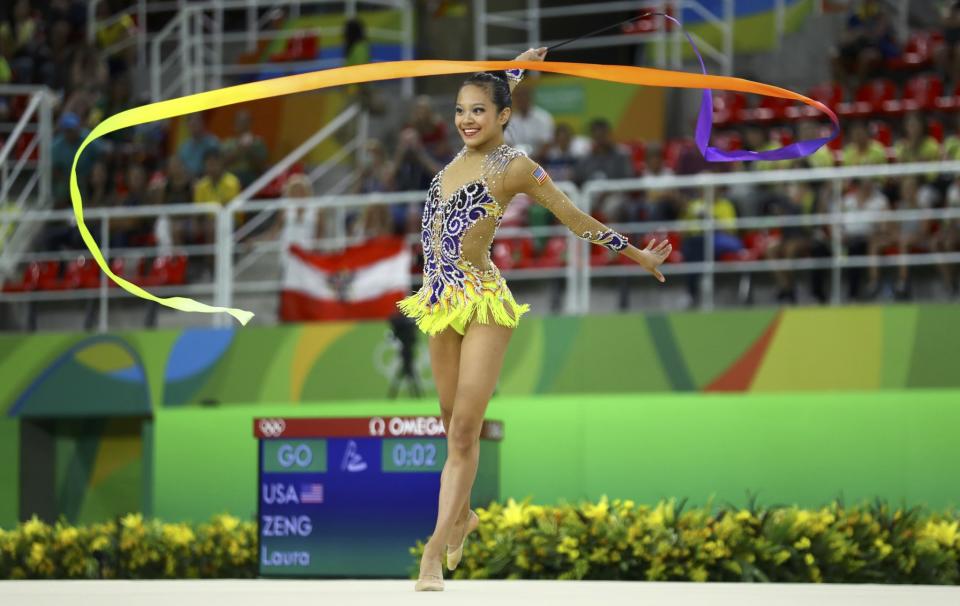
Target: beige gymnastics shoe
454 555
430 581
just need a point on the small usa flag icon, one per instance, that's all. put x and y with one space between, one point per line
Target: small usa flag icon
539 175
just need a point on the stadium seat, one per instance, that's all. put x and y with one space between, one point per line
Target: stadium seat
770 109
828 93
949 102
869 99
553 253
920 92
638 156
80 273
727 107
918 52
728 141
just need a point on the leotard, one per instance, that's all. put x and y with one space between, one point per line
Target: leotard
458 226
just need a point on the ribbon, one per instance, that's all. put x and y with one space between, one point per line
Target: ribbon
372 72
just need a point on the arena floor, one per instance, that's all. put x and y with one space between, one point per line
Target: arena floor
498 593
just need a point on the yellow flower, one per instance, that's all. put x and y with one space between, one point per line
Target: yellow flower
229 522
512 514
698 574
781 557
37 553
597 512
522 561
131 521
33 526
803 543
68 535
941 532
743 515
809 559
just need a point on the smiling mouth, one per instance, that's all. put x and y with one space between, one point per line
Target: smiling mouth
469 132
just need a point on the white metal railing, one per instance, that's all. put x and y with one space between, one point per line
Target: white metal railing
190 54
668 45
577 273
22 179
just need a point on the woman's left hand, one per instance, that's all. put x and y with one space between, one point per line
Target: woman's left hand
654 256
533 54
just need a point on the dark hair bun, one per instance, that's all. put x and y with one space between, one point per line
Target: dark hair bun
496 83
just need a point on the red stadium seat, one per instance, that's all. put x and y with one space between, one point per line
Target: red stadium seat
949 102
920 92
771 109
638 155
869 99
918 52
727 107
553 253
728 141
828 93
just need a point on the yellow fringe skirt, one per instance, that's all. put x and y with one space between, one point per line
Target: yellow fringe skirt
484 294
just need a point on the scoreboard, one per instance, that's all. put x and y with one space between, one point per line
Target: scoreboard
349 497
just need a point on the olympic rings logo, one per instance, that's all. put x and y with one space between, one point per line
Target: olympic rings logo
272 428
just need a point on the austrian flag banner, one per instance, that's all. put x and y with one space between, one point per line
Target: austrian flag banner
363 281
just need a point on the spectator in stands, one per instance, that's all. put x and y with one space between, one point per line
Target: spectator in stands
916 145
867 42
245 154
217 184
559 157
863 150
791 242
377 174
823 157
947 240
431 129
193 150
131 231
110 33
300 225
725 238
862 236
912 234
951 144
88 69
356 51
415 166
177 186
55 70
661 204
948 55
20 33
531 128
98 191
64 148
605 161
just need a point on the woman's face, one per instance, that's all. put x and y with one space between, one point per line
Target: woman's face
476 117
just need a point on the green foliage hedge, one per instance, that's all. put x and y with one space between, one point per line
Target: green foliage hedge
131 548
620 540
605 540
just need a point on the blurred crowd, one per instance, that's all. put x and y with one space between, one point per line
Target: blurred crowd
140 165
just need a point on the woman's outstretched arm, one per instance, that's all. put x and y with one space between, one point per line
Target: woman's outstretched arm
527 177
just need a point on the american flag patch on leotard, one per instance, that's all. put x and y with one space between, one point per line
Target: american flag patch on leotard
539 175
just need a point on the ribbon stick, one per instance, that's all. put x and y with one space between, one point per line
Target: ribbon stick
373 72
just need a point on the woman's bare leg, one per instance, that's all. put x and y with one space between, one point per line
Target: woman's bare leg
445 362
481 357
